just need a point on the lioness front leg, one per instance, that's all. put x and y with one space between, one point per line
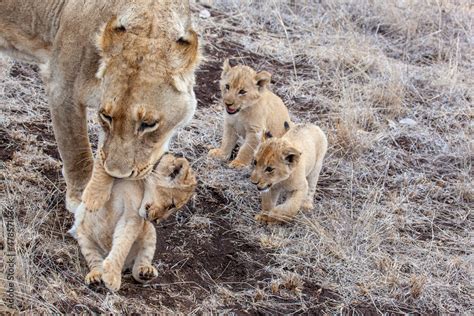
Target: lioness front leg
143 270
99 188
70 130
284 212
229 140
246 153
125 235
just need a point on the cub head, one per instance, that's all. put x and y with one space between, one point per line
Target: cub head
147 76
168 188
241 86
274 162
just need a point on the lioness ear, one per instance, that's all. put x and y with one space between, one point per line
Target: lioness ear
185 61
109 40
291 156
263 79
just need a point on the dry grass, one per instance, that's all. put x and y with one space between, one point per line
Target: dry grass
391 84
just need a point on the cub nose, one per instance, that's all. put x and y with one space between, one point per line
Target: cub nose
228 103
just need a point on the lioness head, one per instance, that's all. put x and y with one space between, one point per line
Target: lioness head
168 189
147 77
274 162
241 86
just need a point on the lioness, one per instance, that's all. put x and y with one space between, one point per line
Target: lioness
291 165
250 110
121 231
132 59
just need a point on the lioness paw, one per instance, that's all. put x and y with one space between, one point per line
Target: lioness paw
216 153
145 273
94 199
237 164
94 277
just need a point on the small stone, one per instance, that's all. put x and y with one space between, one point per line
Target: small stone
407 121
204 14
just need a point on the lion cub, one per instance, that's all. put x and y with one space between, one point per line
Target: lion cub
120 234
250 110
291 165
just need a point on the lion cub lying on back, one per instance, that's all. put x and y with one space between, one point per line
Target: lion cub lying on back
290 165
120 233
251 109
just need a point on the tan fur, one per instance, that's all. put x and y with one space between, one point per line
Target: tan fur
289 165
120 234
259 110
132 59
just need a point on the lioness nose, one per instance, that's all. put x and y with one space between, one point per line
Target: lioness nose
116 171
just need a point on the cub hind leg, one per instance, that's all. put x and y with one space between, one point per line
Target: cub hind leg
312 179
143 270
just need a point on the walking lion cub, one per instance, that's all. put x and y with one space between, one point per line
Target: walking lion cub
291 165
250 110
120 234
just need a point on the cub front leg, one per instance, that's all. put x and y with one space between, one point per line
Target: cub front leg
247 152
93 258
269 200
284 212
143 270
125 235
229 140
99 188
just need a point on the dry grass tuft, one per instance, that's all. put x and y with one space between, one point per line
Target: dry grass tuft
391 84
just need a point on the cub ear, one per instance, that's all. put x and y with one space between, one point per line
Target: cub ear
267 135
263 79
226 67
109 40
291 156
182 172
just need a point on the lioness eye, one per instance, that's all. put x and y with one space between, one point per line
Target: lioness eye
106 118
242 92
269 169
148 125
255 162
227 87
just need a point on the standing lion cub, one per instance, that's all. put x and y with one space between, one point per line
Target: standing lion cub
291 165
120 234
250 110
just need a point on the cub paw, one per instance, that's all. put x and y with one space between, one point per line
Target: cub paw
94 277
307 205
111 278
145 273
237 164
216 153
266 219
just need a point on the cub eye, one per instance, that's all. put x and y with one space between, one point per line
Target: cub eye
227 87
105 118
148 125
242 92
269 169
